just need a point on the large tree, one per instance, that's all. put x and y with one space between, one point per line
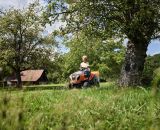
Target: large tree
136 20
21 39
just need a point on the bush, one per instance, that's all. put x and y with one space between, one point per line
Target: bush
156 78
152 63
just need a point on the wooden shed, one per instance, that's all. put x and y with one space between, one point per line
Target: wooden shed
29 77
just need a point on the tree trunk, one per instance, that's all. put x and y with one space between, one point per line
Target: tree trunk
19 81
132 68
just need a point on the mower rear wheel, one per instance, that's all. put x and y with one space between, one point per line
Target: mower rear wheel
97 84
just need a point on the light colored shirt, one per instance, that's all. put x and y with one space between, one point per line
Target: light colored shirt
84 65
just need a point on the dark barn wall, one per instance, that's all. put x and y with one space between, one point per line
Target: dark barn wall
43 78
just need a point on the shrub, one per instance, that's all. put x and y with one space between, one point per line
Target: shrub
152 63
156 79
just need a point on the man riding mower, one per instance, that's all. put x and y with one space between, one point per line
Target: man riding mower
84 78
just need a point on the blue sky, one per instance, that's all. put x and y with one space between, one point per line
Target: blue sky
153 48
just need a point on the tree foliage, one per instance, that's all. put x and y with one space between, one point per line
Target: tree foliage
123 17
22 42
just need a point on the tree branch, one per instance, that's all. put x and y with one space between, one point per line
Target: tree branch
156 37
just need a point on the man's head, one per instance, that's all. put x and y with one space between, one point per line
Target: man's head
84 58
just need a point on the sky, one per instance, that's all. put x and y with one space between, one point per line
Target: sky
153 48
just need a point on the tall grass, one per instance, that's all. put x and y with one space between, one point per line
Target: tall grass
104 108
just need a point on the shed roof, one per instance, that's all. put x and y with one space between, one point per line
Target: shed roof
29 75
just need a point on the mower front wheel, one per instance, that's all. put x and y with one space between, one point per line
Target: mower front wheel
85 84
69 86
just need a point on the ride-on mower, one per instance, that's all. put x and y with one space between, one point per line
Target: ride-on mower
81 79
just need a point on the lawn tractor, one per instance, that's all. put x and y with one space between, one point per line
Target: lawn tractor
82 79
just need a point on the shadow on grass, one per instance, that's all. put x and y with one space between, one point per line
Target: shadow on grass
39 88
44 88
34 88
103 86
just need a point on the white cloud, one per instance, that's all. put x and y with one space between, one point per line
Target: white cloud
56 26
19 4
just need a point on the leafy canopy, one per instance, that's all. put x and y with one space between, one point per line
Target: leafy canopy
22 42
135 19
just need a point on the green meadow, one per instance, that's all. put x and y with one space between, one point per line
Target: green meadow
105 108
